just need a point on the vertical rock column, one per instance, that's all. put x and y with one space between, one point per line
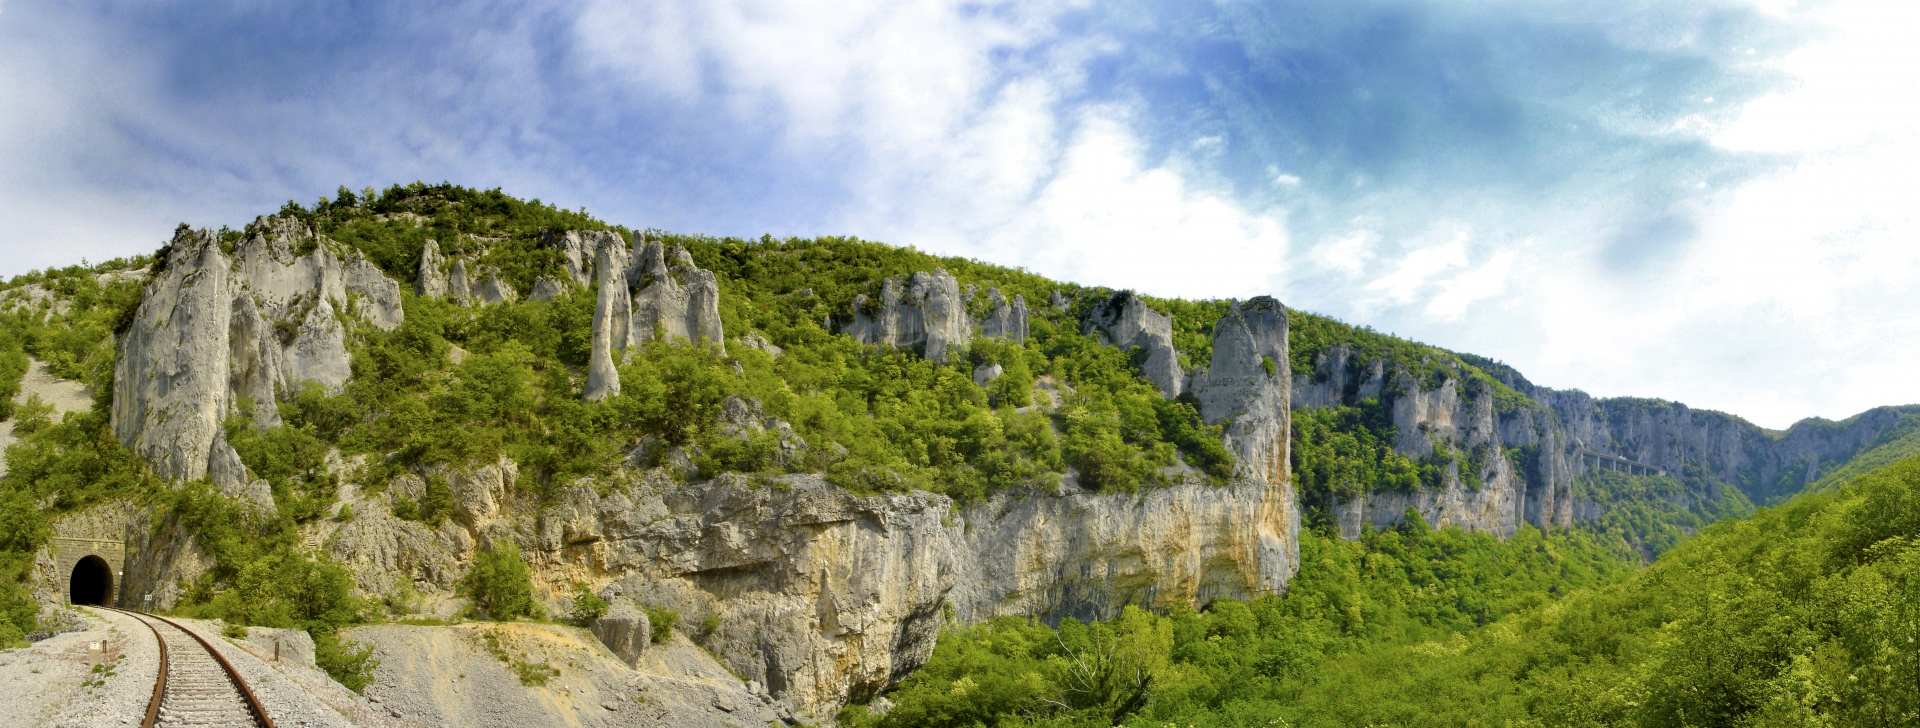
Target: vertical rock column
612 319
1249 387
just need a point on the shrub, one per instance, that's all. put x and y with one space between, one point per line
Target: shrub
18 611
587 607
348 663
499 583
662 621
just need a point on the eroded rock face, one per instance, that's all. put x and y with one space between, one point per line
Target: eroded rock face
1247 383
493 290
1088 555
1459 415
213 332
673 297
925 315
547 289
170 383
577 249
431 282
1528 456
1675 437
824 596
1005 321
459 278
1126 321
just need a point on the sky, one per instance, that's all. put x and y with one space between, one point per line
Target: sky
1711 202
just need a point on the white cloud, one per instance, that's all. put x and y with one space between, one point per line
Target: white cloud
1409 278
887 72
1349 254
1106 218
1486 281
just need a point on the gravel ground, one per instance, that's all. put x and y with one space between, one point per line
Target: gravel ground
49 683
296 665
453 676
289 690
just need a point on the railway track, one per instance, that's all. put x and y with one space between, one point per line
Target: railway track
197 686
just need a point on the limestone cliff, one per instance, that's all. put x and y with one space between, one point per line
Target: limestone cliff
213 332
819 594
1548 440
612 316
1125 321
460 278
824 596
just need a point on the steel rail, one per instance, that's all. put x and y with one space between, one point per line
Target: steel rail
160 685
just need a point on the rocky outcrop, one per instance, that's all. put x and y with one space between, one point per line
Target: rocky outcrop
431 281
1483 489
984 374
1125 321
925 315
675 301
821 595
753 340
459 289
577 249
212 333
1522 459
459 278
1003 320
673 297
170 383
1087 555
612 316
1247 387
547 289
1672 436
492 289
625 630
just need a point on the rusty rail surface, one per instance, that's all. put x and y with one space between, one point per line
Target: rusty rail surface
160 685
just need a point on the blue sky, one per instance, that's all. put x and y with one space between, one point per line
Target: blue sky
1702 201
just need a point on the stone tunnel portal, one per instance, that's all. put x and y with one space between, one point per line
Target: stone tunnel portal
91 582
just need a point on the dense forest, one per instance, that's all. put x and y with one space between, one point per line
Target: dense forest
1803 613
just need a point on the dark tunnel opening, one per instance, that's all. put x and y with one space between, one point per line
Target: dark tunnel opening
92 582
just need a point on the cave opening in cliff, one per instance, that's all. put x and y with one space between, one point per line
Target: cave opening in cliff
91 583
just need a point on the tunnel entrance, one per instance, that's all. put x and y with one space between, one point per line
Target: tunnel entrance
92 582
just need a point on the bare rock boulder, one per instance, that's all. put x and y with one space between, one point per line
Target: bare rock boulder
625 630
